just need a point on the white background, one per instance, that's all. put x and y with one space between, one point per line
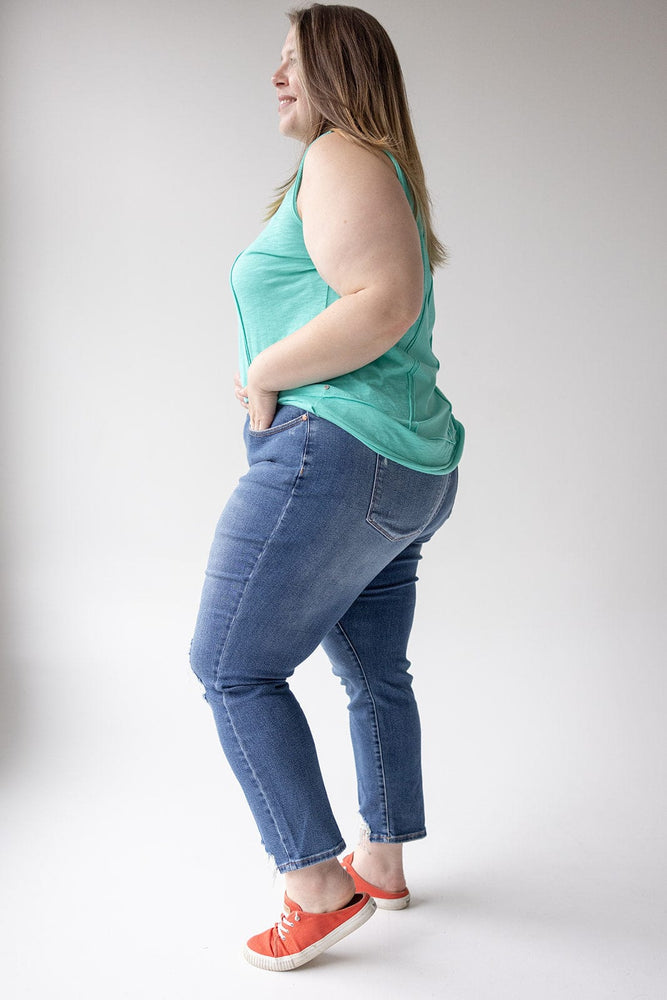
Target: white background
140 146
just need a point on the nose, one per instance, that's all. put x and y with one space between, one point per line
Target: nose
278 79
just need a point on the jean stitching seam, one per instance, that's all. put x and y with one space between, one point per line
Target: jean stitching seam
270 431
377 483
332 852
377 728
438 505
399 838
450 486
260 554
255 777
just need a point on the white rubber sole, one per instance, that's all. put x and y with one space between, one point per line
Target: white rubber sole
288 962
392 904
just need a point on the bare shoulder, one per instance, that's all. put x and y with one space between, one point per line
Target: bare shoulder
337 147
358 226
335 155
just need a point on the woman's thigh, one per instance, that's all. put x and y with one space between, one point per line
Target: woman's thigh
311 523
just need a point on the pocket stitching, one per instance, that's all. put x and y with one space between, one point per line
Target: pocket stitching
377 482
268 431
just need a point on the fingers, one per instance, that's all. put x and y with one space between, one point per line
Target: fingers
260 403
262 409
240 391
261 416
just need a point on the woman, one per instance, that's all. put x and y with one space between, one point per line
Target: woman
352 455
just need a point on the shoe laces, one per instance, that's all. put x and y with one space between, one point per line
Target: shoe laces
284 924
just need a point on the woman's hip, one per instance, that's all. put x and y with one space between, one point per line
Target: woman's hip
338 479
314 519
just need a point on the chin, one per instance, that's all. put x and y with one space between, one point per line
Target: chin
292 128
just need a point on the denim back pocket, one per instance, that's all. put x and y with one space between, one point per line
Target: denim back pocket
403 501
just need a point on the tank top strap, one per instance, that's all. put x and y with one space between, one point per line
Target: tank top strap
402 178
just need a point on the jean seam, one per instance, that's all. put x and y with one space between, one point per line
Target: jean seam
397 839
377 727
271 431
377 483
260 554
258 783
312 859
452 485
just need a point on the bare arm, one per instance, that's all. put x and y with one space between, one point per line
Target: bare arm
362 237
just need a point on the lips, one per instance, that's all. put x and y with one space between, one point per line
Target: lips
284 102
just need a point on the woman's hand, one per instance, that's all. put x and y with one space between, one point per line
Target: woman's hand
240 391
262 403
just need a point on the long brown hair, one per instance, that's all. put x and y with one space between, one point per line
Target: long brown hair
353 81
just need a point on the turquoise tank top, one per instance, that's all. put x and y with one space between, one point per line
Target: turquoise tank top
392 404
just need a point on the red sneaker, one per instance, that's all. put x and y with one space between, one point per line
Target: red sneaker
385 900
299 937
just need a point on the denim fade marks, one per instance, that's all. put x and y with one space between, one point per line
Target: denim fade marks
297 423
374 731
295 563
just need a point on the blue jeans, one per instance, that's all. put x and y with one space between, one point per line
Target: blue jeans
318 544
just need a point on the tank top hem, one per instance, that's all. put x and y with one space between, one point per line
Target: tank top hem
310 403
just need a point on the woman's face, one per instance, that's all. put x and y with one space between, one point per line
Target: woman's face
293 108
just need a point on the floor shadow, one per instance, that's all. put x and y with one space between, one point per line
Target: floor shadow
581 907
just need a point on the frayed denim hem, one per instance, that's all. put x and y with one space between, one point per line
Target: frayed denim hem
315 859
366 834
381 838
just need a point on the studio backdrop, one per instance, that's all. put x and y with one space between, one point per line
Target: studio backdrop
140 149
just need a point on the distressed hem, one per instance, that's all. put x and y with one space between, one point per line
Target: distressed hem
314 859
367 835
401 838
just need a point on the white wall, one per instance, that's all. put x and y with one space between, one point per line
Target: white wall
140 147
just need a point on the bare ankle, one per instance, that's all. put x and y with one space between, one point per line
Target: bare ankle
320 888
380 864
